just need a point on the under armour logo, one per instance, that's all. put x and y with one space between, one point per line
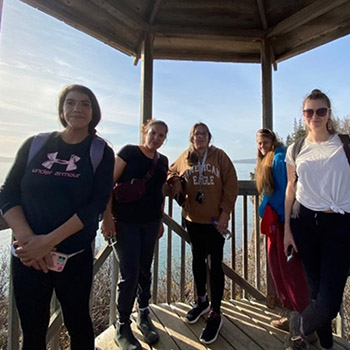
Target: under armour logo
53 159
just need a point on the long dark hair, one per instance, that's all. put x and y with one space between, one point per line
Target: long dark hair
96 111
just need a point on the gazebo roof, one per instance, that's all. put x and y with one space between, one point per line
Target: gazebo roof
207 30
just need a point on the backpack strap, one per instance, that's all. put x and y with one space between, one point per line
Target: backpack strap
345 139
37 144
96 151
150 172
295 151
297 148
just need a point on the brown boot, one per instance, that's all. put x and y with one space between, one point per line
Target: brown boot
282 323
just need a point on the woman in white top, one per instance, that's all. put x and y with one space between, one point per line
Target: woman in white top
317 220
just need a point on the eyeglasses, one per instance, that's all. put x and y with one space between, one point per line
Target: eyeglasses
320 112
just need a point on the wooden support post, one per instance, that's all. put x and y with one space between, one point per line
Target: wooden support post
13 320
146 79
266 76
169 255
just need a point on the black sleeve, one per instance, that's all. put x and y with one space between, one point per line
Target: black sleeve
103 184
10 191
124 152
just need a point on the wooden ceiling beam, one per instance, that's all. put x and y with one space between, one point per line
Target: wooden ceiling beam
305 15
58 10
124 13
262 14
205 56
202 4
208 32
339 31
153 11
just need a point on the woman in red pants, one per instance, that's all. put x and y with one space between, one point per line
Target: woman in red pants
271 181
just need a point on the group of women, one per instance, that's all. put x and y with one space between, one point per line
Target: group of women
61 182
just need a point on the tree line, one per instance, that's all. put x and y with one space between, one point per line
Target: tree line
342 126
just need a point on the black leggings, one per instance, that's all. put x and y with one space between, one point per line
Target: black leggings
323 242
33 291
206 240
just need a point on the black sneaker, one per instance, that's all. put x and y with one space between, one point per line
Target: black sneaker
212 328
201 308
124 337
146 327
295 340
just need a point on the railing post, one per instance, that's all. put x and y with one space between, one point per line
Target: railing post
245 241
13 320
183 265
113 298
55 341
233 252
257 244
155 273
169 254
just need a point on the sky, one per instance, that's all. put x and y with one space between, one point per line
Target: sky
39 55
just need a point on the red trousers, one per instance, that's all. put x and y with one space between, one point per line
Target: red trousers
289 278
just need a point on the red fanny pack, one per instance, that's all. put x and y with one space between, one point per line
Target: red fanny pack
135 189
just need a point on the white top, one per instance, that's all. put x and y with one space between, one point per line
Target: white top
323 175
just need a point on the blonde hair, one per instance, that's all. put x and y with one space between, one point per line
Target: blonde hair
263 171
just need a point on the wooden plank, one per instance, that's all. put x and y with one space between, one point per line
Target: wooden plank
165 340
181 310
3 223
206 32
266 84
88 25
184 338
307 14
262 14
122 12
101 257
105 341
155 273
250 327
146 80
259 315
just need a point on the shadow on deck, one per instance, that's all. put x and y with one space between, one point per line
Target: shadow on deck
246 326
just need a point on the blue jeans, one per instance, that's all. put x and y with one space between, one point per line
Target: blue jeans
323 242
135 248
33 291
206 240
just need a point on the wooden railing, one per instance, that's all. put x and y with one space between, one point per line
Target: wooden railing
245 263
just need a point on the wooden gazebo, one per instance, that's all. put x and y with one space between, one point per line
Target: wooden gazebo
254 31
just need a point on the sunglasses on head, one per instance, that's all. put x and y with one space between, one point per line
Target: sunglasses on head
320 112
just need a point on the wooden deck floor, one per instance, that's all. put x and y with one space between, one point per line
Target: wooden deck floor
246 326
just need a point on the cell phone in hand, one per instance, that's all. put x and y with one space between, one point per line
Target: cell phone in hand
58 261
290 252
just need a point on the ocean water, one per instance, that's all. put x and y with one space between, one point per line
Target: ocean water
243 171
